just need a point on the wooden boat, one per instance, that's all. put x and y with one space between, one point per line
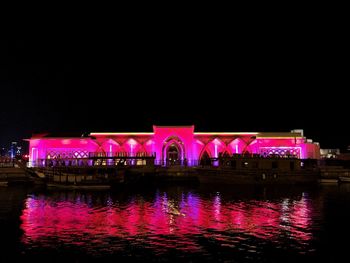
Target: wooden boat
72 181
344 179
328 180
78 186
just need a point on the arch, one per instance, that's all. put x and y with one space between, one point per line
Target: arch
110 147
205 159
204 153
226 154
172 143
133 146
248 149
100 151
203 150
215 147
149 147
141 151
236 146
173 154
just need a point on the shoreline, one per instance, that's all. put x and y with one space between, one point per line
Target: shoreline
90 177
97 177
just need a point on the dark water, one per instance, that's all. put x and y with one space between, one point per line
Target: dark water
232 224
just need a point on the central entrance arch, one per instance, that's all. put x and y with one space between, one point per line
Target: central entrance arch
173 151
173 154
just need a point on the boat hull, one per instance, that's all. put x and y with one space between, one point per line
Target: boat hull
328 181
78 187
343 179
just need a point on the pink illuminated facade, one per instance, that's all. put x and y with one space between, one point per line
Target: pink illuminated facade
172 145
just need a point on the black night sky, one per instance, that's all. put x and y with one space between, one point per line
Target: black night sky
260 78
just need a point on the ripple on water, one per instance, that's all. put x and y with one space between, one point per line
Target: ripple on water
185 222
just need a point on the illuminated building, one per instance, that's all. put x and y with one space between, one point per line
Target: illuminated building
13 149
329 153
173 145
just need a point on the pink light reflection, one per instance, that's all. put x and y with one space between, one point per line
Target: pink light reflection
45 217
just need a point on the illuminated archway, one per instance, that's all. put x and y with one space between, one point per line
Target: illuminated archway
173 151
205 159
173 154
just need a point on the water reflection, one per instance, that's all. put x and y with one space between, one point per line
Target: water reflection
185 221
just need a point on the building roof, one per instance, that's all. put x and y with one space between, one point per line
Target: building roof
92 134
279 135
59 135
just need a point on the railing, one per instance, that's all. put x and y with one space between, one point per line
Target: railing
71 175
112 161
95 161
177 162
119 155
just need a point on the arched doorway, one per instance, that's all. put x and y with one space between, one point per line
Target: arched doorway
173 151
173 154
205 159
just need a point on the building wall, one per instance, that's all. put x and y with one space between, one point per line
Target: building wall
50 148
182 137
191 145
312 151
